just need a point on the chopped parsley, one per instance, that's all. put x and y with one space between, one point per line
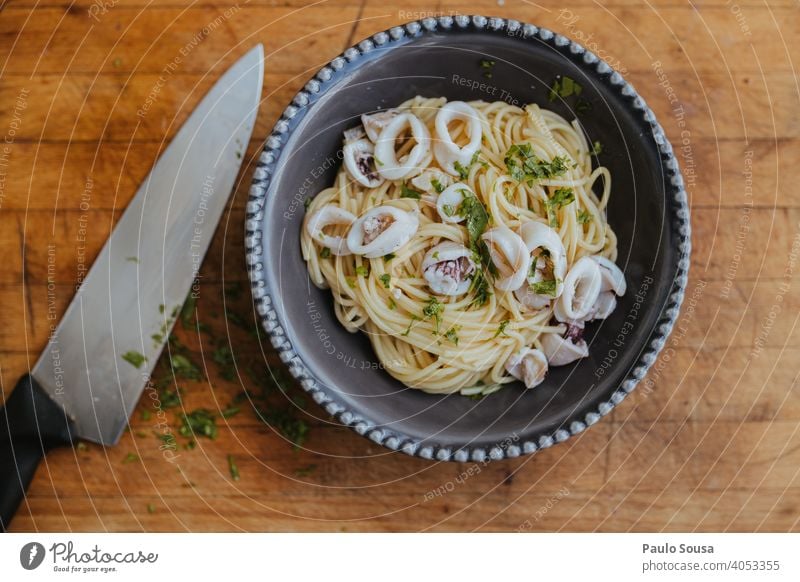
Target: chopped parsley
200 422
168 441
463 171
169 398
487 66
224 359
452 334
584 216
544 287
151 508
130 458
362 271
523 165
305 471
188 311
389 257
325 253
183 367
437 185
410 324
448 209
561 197
597 148
391 304
582 106
134 358
385 279
501 329
233 468
480 288
351 282
406 192
433 310
564 87
477 218
307 203
132 259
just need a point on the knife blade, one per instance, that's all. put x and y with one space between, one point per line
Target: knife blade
99 358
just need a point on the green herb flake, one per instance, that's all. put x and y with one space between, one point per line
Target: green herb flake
501 329
161 308
200 422
433 310
82 447
547 287
305 471
146 415
169 398
130 458
351 282
389 257
560 198
325 253
584 216
188 311
452 334
582 106
597 148
410 324
391 304
386 279
437 185
564 87
151 509
362 271
168 441
480 288
184 368
524 166
406 192
463 171
474 211
132 259
306 203
134 358
234 468
230 412
486 66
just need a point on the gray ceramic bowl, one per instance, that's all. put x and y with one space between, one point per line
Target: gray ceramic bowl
442 56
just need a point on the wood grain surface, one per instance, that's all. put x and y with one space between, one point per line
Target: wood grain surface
709 442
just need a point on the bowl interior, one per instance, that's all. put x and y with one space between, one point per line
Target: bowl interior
449 64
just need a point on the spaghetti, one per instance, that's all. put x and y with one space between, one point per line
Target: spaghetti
429 328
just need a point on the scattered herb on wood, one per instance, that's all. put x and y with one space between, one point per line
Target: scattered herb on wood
130 458
233 467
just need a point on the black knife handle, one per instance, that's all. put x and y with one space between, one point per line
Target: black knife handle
31 423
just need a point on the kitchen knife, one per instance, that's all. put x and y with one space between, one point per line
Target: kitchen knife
98 360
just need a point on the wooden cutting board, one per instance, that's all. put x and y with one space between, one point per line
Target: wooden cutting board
710 442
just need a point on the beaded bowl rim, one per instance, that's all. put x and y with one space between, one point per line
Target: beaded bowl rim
274 328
